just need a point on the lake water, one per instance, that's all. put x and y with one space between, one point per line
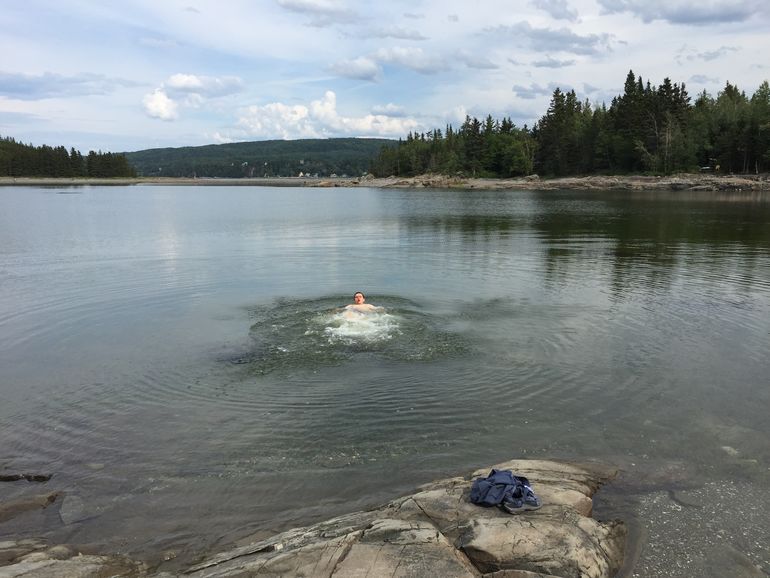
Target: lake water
173 355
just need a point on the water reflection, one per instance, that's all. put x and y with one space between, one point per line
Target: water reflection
646 244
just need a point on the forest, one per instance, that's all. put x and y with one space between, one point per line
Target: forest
270 158
22 160
646 130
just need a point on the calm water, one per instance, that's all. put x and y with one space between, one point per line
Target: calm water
173 356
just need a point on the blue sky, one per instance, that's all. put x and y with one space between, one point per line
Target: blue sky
137 74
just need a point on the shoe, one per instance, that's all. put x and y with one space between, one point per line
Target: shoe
526 503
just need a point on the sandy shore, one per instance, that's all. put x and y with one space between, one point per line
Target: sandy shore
679 182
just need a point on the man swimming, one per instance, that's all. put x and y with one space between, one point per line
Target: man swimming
360 305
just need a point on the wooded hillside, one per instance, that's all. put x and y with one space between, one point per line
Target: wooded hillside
272 158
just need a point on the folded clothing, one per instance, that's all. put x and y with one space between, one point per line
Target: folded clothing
501 488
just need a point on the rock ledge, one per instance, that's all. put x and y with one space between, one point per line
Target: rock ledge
433 532
438 532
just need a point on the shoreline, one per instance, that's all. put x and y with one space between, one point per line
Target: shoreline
678 182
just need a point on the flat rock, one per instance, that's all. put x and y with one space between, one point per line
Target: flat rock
437 531
34 559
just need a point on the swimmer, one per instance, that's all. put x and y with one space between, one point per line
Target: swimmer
360 306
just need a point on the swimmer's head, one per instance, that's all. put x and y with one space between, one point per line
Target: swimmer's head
358 298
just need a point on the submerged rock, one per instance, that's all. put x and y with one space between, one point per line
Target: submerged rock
438 532
34 559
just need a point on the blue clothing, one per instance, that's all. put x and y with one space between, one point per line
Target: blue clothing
498 487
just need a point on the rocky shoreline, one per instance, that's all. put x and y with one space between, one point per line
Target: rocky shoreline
435 531
679 182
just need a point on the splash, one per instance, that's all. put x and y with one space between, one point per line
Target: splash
308 334
357 327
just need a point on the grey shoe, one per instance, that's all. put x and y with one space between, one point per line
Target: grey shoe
527 502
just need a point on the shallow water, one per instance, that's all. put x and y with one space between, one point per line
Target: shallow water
175 356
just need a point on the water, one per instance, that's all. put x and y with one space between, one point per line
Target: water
176 357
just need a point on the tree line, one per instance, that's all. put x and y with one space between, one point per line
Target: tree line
271 158
22 160
648 129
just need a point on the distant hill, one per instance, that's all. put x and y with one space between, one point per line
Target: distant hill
321 157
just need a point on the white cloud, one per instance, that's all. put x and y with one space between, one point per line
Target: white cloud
549 62
52 85
205 86
535 90
473 60
360 68
321 13
412 58
389 109
552 39
318 120
398 33
191 90
219 138
157 104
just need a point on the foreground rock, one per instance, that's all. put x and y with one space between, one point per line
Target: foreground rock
434 532
438 532
35 559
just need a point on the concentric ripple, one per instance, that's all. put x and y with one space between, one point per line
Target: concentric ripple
290 334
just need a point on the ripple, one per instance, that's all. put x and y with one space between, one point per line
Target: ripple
296 334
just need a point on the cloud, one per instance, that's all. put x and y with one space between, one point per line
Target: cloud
204 86
192 90
713 54
472 60
703 79
411 58
453 18
548 39
692 55
397 33
319 119
360 68
414 16
557 9
157 104
219 138
50 85
695 12
389 109
550 62
320 13
535 90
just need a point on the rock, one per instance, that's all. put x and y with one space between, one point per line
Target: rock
27 477
14 549
438 532
72 510
10 510
35 560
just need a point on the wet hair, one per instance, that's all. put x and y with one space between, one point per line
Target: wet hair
357 292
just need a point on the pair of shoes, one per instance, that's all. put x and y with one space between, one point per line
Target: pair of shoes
527 501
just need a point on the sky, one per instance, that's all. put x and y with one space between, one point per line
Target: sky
139 74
